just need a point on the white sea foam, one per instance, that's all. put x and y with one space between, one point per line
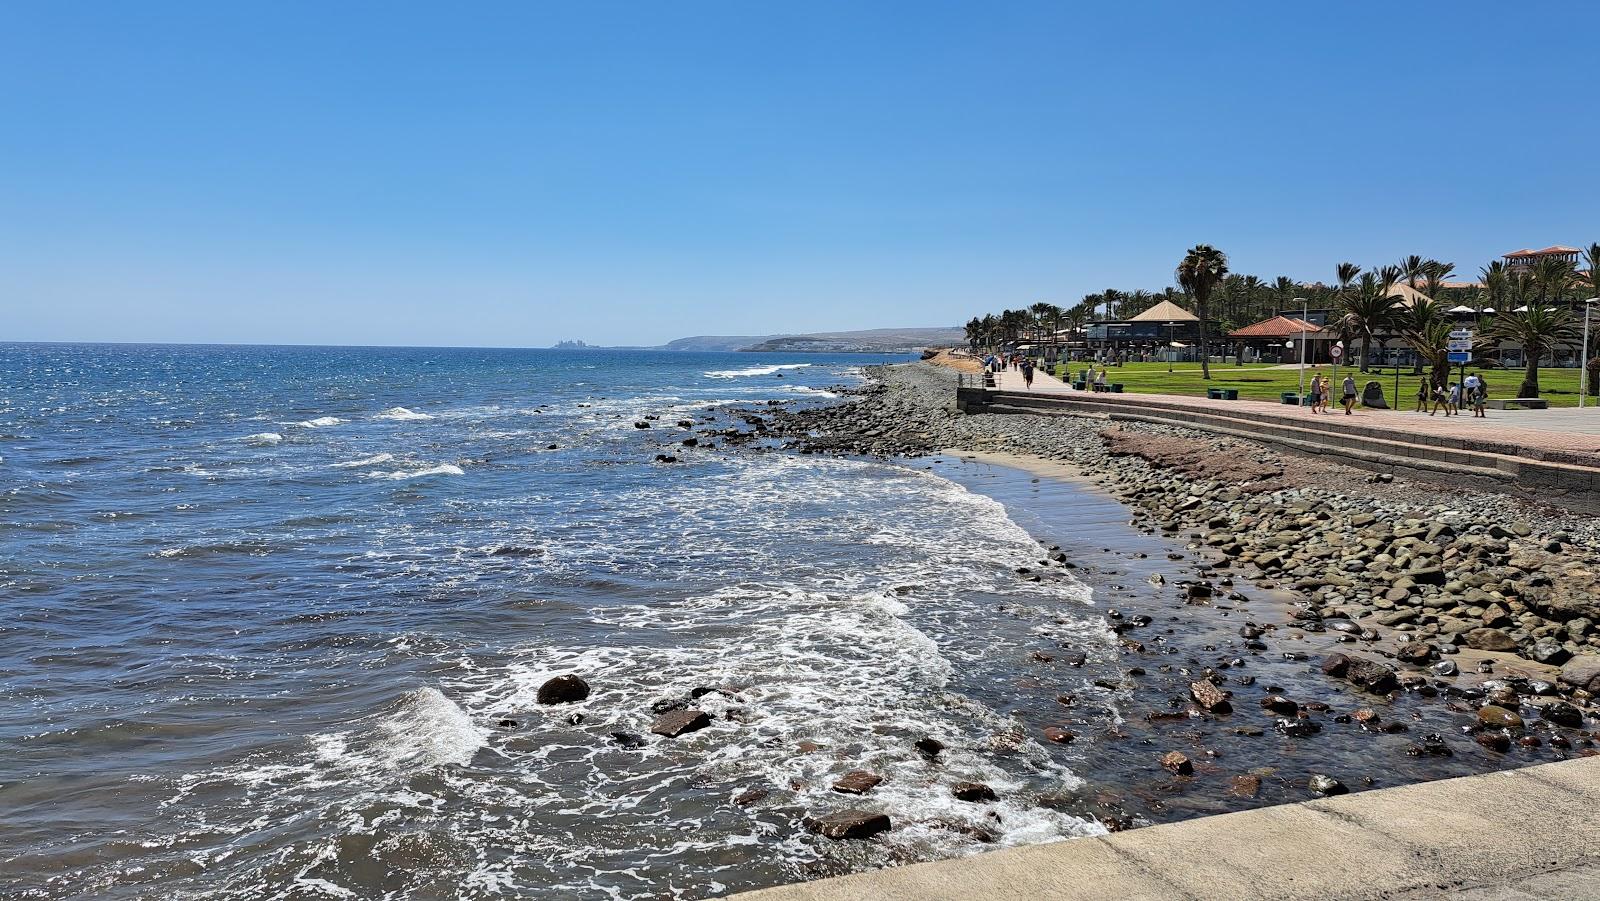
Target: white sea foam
754 370
804 389
426 730
401 413
373 460
443 469
319 422
262 438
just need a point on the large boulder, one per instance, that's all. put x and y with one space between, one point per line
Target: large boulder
563 690
679 722
1490 640
849 824
1583 672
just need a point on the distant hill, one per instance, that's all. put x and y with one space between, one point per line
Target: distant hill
881 340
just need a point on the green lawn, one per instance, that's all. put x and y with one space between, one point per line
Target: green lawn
1258 382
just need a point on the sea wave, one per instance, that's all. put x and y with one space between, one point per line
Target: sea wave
373 460
754 370
402 414
804 389
319 422
443 469
262 438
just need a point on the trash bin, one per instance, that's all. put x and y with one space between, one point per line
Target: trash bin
1081 386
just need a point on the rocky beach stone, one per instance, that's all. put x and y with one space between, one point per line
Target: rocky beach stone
972 791
1247 785
680 722
1177 763
1210 698
1327 785
563 690
857 782
1486 639
849 824
1059 735
1499 717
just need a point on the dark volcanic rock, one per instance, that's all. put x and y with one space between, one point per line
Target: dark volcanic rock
1499 717
1058 735
857 782
929 747
1327 785
1178 763
1562 714
849 824
1280 705
1210 697
678 722
563 690
972 791
1247 785
629 739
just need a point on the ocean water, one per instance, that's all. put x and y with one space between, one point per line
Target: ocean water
269 611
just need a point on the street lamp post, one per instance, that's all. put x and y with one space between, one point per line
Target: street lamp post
1303 314
1583 376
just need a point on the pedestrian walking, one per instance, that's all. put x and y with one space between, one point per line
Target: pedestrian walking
1422 396
1349 394
1480 397
1316 392
1027 373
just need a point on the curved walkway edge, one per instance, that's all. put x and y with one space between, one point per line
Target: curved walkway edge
1526 833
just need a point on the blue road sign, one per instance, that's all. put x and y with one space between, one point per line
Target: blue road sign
1461 358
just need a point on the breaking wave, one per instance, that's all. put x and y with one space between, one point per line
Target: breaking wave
754 370
402 414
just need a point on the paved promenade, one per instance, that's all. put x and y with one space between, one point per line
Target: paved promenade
1570 433
1516 834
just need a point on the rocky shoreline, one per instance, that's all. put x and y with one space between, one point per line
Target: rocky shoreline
1476 603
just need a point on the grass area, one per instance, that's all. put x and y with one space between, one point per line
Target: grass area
1259 382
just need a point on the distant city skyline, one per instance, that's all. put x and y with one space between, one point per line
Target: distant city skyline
628 174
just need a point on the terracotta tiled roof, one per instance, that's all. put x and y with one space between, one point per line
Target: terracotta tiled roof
1276 327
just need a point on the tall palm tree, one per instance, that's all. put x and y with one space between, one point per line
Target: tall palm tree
1369 309
1411 269
1553 277
1041 318
1199 272
1136 302
974 330
1284 289
1346 273
1427 329
1538 329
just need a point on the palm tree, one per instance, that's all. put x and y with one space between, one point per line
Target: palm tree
1412 268
1538 329
1285 288
974 330
1041 316
1553 277
1368 310
1346 273
1427 329
1201 269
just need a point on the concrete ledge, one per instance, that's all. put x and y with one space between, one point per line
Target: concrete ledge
1507 834
1484 464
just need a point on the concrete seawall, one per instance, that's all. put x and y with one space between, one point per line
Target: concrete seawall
1528 833
1561 476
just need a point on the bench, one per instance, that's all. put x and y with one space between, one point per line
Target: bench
1518 403
1289 398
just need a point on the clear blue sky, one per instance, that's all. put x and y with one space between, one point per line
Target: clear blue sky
630 173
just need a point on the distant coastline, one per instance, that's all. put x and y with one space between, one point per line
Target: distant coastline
888 340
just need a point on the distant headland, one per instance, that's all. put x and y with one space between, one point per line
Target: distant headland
883 340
